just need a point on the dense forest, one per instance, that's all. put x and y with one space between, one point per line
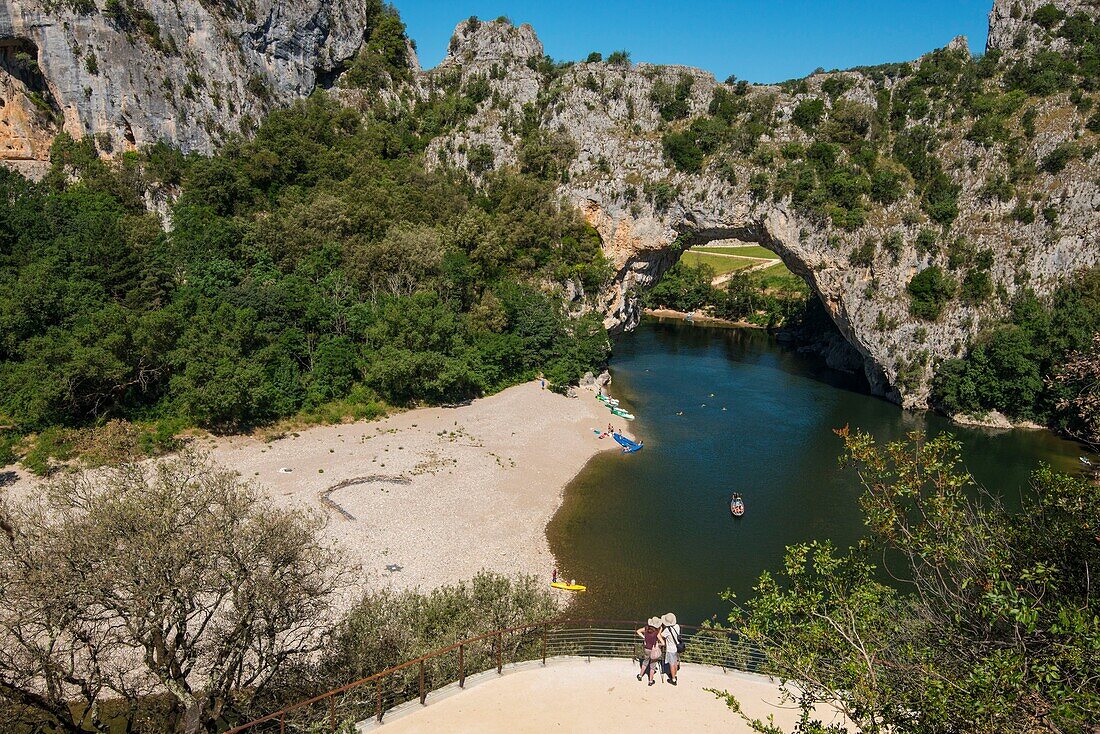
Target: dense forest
1039 365
318 267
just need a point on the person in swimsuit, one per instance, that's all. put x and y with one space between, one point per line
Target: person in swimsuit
651 636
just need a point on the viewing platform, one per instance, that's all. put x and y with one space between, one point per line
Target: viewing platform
570 694
569 676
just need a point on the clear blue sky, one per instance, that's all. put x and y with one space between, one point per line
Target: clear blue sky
758 40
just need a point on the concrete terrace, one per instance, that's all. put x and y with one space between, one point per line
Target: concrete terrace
577 695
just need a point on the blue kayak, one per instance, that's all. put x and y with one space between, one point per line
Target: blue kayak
629 447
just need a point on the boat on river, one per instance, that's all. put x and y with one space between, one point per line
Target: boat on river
622 414
737 505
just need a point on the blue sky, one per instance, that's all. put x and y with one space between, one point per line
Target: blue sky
758 40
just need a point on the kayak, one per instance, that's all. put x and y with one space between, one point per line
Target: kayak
622 413
606 400
629 447
568 587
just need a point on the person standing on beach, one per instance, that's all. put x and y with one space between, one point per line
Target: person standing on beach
671 635
651 636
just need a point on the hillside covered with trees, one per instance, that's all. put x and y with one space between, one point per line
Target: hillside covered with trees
318 267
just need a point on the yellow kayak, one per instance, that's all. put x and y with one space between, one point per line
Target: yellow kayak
568 587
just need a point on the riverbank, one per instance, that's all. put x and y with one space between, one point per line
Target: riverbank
427 496
434 495
697 318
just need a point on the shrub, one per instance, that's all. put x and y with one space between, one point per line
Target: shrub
480 159
929 292
1048 16
893 243
681 149
864 255
808 114
1023 213
886 185
941 199
759 185
619 58
977 286
594 58
926 241
1056 160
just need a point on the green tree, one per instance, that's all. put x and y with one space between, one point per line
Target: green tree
991 626
929 292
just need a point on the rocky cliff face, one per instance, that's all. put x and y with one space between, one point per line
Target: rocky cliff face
647 211
190 72
134 72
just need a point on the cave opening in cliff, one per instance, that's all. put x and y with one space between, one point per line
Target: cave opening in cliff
19 59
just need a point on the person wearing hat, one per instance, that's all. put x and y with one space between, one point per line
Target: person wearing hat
671 635
651 635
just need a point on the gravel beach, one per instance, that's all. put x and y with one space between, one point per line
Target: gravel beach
434 495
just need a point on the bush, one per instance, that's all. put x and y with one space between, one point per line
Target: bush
619 58
808 114
864 255
977 287
929 292
1048 16
1056 160
386 628
886 185
681 149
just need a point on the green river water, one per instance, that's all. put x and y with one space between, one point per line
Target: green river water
651 532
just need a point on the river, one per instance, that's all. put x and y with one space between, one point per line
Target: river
651 532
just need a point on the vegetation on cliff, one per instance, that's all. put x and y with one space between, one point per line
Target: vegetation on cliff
319 267
1014 366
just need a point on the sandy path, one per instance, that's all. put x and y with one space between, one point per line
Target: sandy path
438 493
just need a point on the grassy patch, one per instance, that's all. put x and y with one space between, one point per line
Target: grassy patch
720 265
779 276
745 251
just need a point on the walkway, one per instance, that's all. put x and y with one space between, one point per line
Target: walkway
601 696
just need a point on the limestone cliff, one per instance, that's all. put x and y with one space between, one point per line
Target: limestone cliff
188 72
647 210
985 181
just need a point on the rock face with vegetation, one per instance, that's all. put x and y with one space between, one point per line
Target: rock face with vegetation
134 72
918 199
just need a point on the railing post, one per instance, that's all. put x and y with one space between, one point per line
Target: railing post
423 693
461 666
589 645
378 713
500 652
545 632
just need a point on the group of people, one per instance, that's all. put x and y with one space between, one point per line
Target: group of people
661 633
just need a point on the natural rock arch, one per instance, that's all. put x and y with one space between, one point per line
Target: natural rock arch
641 261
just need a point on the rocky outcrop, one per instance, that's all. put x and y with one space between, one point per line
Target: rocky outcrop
191 72
188 72
647 212
1015 29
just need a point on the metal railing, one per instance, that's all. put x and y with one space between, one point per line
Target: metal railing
338 710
